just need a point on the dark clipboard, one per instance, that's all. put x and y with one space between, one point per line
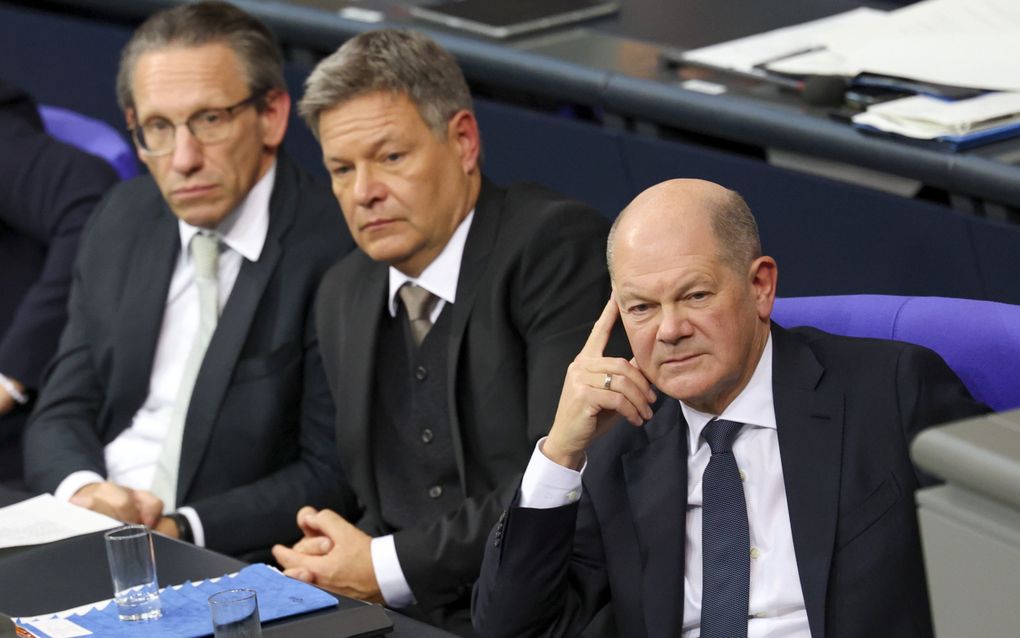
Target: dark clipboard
507 18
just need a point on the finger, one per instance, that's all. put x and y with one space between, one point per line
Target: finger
617 402
300 573
619 369
332 524
290 559
651 386
314 545
150 507
636 394
306 521
599 337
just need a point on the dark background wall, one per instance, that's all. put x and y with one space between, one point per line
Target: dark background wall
828 237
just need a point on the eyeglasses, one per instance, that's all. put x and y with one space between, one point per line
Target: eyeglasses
209 126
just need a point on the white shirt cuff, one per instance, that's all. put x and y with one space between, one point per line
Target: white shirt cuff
197 533
74 482
547 484
392 584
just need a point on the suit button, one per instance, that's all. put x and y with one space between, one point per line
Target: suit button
427 436
436 491
421 373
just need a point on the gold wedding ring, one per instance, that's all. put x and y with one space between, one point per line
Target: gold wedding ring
608 381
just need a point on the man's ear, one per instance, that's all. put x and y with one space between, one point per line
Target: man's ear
274 115
131 120
462 130
763 276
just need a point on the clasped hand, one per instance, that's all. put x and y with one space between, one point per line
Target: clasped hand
334 554
597 391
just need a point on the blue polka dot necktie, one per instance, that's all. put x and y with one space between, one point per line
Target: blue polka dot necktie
725 538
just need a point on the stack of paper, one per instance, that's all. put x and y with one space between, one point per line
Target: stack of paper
926 118
968 43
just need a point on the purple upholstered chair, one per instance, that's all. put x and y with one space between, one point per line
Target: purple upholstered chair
980 340
92 136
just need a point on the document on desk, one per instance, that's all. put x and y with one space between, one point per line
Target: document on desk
746 55
968 43
44 519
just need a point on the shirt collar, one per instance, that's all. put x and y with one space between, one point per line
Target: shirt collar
245 228
754 404
441 276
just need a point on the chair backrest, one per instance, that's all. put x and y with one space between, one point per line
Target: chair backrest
980 340
92 136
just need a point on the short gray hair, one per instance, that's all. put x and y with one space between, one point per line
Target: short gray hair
734 227
395 61
198 24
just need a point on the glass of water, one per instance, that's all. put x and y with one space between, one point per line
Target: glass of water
133 568
235 614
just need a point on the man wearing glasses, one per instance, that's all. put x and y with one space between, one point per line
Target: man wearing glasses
187 393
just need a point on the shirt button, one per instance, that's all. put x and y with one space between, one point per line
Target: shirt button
421 373
436 491
755 553
760 614
743 475
427 436
572 496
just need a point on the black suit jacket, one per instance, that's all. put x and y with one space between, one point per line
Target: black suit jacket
532 278
258 441
846 410
47 190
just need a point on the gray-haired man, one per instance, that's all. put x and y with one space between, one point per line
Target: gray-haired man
444 338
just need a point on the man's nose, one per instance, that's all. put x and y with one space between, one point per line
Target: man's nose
187 154
674 325
368 188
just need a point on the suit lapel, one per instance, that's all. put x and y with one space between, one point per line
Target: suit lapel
232 331
356 350
810 425
656 480
140 317
480 240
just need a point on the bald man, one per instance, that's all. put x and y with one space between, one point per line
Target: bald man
770 494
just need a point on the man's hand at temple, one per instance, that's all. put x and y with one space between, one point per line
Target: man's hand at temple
596 392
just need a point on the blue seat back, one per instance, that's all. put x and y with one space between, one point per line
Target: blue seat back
980 340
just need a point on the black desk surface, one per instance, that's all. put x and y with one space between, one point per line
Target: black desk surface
72 572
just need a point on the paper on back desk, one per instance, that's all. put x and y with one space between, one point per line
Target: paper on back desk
45 519
969 43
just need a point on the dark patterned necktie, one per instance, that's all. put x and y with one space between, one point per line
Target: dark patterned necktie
725 540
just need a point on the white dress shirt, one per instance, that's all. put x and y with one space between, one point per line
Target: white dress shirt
440 278
776 600
131 457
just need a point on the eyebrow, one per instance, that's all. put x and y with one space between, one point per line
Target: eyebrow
373 148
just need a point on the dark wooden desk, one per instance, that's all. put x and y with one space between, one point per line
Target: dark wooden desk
44 578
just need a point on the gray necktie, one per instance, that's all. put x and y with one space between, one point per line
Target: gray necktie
418 303
205 251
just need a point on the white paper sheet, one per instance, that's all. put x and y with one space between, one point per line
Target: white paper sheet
744 54
970 43
44 519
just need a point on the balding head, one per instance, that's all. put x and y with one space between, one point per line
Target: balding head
694 293
683 205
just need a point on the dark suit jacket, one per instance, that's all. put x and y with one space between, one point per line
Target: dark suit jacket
532 279
846 411
47 190
258 441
